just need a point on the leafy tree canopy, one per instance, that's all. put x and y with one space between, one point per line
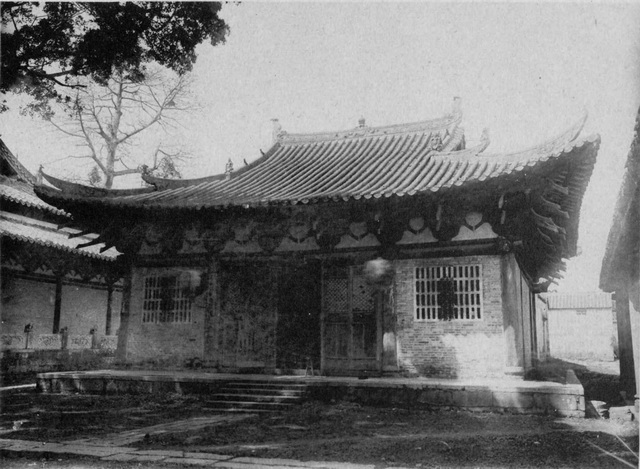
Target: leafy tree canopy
44 47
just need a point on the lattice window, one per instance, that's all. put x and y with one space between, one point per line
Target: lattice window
165 300
448 292
336 293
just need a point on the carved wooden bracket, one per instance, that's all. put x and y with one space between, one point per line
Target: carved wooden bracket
328 232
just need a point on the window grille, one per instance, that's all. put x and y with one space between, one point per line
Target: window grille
165 300
448 292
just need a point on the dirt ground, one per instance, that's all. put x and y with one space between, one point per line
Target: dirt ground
343 432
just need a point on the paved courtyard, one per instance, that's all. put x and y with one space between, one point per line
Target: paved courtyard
79 430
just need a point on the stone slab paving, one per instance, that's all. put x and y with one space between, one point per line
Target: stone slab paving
162 452
269 462
206 456
192 461
132 436
120 457
127 454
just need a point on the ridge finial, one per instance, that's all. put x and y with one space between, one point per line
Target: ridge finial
277 130
456 108
228 169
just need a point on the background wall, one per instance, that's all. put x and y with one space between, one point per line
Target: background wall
579 334
83 309
27 302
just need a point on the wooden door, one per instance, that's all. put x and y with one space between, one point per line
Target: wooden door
350 322
247 322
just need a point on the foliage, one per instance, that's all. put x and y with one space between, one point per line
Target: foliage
46 47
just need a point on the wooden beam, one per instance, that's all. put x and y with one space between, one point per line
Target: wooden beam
554 208
557 187
545 239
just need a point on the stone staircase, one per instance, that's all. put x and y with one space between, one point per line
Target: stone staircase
257 396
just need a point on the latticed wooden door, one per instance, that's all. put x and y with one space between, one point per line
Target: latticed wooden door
350 332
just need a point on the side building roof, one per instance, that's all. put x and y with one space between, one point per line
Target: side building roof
16 186
621 258
579 300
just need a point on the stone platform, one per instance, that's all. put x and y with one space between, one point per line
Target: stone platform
505 395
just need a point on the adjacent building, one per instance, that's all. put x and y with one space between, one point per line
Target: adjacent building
49 286
621 265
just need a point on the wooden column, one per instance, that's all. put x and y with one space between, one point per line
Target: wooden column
512 316
107 327
625 343
389 342
212 318
57 307
121 352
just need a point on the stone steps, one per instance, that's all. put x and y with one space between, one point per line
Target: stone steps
257 396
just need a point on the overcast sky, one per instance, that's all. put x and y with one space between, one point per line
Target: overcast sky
526 71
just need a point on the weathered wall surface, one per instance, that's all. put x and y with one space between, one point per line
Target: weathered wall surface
456 348
31 302
576 334
84 309
27 302
169 343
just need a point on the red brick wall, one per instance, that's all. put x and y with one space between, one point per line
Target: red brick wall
450 349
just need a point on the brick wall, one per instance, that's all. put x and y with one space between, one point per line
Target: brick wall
456 348
163 343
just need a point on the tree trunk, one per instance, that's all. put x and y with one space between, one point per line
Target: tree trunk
110 166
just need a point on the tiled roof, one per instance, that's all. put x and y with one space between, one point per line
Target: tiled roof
15 168
364 163
38 232
579 300
22 193
622 243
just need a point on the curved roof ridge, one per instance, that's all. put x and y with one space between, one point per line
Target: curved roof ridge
565 137
21 172
162 184
448 122
73 188
485 141
560 143
166 183
21 192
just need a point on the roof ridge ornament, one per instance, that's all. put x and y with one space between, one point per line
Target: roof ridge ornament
277 131
228 169
456 108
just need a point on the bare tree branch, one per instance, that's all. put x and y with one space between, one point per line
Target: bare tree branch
110 120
